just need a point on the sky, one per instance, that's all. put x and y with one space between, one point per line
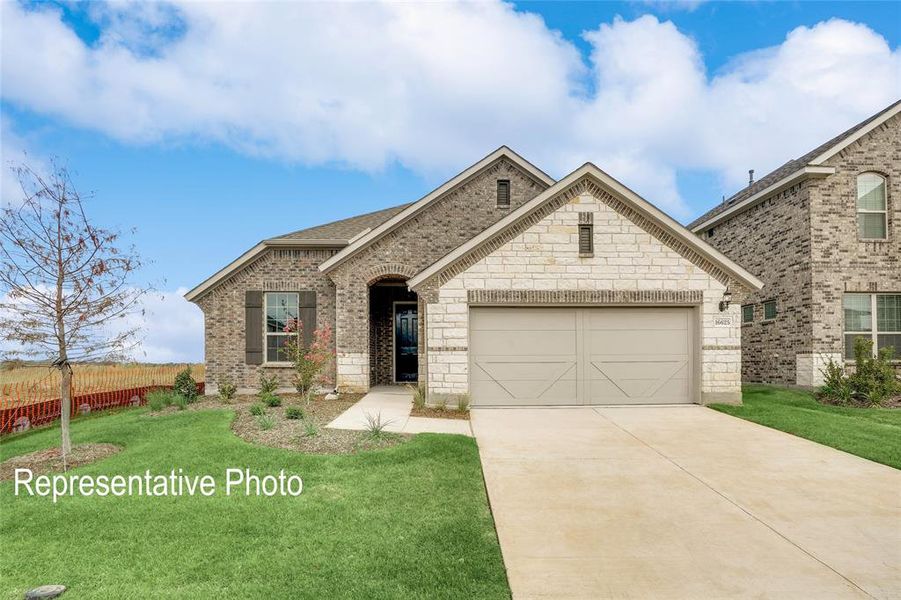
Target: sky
210 126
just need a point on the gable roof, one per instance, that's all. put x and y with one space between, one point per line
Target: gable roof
615 188
345 229
401 217
336 234
793 171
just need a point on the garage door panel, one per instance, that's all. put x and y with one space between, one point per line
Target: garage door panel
523 342
547 356
638 343
520 318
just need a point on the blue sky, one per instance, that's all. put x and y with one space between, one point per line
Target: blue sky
209 127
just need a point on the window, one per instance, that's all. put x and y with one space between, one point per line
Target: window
872 221
710 232
884 331
747 313
282 309
503 193
769 310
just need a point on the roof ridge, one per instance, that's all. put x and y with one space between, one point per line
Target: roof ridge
787 167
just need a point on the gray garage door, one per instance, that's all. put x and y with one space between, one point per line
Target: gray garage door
557 356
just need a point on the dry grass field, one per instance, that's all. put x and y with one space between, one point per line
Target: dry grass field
33 383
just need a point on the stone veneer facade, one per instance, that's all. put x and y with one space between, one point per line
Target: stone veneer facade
542 265
447 222
803 244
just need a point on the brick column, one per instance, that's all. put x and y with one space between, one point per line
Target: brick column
352 335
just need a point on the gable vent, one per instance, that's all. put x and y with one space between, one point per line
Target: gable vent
586 234
503 193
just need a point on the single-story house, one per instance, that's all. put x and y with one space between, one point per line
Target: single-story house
501 284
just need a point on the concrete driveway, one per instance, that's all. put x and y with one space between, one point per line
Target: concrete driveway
684 502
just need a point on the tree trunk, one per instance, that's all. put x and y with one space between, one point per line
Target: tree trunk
65 394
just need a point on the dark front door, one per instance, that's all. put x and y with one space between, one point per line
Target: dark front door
406 343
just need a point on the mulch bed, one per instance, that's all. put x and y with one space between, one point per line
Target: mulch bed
307 435
50 460
432 412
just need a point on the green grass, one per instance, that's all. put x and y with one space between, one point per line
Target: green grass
873 433
411 521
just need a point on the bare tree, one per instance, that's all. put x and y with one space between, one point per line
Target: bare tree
65 282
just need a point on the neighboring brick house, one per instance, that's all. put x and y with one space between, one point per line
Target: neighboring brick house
501 284
821 231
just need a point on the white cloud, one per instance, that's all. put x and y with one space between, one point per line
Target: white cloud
434 86
170 330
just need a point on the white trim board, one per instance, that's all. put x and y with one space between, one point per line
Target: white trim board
616 188
784 183
369 237
251 255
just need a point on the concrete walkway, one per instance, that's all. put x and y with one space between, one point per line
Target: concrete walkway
393 405
684 502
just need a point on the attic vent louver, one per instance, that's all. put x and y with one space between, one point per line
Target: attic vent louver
503 193
586 234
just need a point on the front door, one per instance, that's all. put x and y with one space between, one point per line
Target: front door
406 342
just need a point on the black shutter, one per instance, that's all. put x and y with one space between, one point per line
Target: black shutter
253 327
307 315
503 193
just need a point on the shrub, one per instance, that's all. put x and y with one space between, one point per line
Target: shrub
311 365
265 422
180 401
227 389
271 400
268 385
294 412
157 400
419 395
258 410
463 402
872 383
185 385
441 403
310 429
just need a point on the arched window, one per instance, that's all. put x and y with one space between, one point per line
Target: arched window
872 221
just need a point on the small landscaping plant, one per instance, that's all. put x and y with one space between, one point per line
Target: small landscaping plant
258 410
157 400
375 426
294 413
418 396
185 385
441 404
311 365
227 390
265 422
180 401
268 385
310 429
271 400
872 383
463 402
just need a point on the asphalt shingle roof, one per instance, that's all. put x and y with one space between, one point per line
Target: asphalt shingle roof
344 229
785 170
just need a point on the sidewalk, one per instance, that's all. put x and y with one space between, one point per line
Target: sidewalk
393 405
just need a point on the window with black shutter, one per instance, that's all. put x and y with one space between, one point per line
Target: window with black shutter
503 193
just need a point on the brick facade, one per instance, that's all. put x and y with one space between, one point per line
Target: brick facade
448 222
803 244
223 310
541 264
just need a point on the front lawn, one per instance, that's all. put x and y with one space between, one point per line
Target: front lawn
410 521
873 433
